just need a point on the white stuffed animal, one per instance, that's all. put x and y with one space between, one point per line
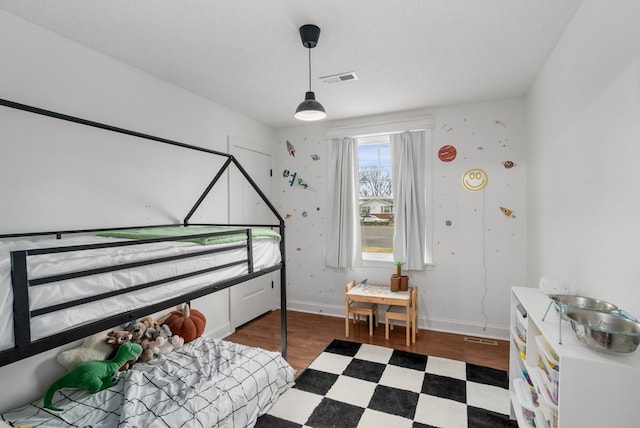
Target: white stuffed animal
92 348
171 341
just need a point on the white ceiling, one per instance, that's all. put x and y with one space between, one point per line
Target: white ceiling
247 54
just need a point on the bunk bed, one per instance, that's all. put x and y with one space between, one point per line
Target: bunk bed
91 280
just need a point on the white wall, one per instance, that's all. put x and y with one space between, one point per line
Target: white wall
115 180
452 292
577 163
583 116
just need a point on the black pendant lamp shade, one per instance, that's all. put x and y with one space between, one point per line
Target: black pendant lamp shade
310 109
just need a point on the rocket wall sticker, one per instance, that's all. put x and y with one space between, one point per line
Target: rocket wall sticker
291 149
507 212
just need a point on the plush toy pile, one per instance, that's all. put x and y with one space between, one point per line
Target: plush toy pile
154 337
141 340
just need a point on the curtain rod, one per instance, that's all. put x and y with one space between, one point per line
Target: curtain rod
388 127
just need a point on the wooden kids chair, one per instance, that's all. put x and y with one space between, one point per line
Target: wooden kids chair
399 313
359 308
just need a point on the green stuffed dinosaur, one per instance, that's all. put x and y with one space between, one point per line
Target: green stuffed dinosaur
94 376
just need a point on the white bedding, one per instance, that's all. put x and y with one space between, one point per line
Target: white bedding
207 383
265 253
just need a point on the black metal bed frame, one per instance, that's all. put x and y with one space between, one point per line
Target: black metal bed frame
23 345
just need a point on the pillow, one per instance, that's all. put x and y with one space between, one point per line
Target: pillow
92 348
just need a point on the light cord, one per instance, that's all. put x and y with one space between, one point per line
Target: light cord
484 261
309 49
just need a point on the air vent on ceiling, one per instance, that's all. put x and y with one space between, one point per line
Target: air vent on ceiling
342 77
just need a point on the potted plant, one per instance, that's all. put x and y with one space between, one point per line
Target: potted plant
399 282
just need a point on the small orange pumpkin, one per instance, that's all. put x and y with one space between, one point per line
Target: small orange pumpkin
187 323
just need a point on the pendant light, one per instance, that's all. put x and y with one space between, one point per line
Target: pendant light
310 109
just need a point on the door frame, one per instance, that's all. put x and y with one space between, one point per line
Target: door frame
242 143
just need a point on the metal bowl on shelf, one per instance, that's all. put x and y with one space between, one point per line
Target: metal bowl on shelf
604 331
570 301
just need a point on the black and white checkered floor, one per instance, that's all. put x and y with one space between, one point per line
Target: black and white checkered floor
360 385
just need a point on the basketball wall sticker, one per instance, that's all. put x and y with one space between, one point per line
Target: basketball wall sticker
447 153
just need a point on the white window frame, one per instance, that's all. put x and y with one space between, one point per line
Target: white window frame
391 127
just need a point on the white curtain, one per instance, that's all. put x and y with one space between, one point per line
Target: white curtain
409 180
343 238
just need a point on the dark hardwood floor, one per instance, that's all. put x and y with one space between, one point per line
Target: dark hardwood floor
309 334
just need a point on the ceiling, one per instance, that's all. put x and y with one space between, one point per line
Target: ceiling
247 54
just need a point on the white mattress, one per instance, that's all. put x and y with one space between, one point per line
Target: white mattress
265 253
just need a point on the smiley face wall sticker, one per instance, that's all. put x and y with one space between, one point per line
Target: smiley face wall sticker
475 180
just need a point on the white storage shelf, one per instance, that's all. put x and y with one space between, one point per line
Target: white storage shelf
595 389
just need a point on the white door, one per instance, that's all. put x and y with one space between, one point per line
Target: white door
253 298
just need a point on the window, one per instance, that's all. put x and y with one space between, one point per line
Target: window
376 196
366 221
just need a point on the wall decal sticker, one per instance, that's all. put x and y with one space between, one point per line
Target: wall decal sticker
509 164
448 222
475 180
447 153
298 182
287 216
290 149
305 214
315 157
507 212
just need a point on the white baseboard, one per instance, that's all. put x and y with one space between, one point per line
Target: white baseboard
316 308
490 331
221 332
466 328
